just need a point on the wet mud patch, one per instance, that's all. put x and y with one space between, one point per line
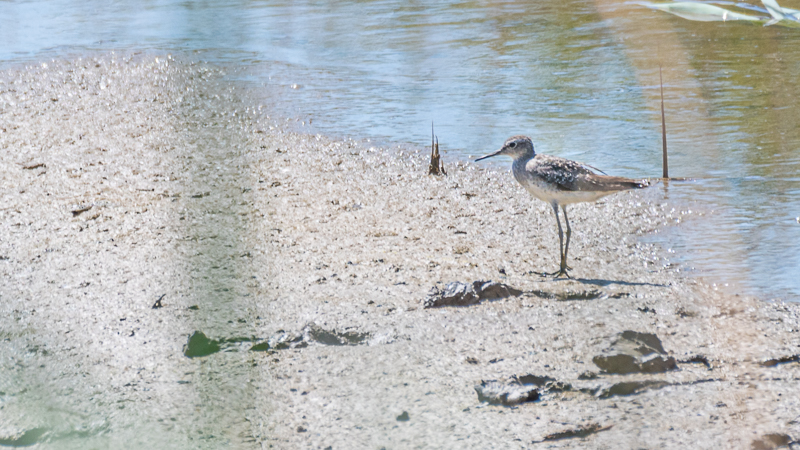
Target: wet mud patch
773 441
199 345
626 388
697 359
465 294
782 360
570 295
635 387
580 432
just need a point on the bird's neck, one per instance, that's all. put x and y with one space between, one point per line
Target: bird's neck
524 158
519 163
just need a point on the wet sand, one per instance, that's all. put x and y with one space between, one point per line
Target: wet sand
127 179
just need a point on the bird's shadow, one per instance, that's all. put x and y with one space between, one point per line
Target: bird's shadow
586 294
601 282
597 281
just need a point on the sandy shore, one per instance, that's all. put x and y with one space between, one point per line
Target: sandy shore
129 179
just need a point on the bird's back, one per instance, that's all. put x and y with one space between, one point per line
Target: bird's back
560 180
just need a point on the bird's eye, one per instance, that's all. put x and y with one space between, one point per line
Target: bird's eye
512 145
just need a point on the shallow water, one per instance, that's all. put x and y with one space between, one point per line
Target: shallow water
580 77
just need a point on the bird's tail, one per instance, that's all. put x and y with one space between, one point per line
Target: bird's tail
621 183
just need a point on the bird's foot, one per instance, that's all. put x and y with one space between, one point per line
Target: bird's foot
563 272
559 273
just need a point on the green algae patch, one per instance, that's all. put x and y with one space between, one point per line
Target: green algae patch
26 439
260 347
200 345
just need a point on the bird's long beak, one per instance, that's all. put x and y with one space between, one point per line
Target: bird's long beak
489 155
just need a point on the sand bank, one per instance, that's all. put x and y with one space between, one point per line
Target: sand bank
129 178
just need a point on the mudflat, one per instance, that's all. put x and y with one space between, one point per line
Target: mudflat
181 269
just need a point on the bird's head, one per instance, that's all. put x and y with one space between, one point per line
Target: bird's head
514 147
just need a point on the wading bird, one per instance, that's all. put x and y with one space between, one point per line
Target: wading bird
559 182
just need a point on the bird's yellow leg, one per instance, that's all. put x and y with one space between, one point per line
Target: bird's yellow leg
562 249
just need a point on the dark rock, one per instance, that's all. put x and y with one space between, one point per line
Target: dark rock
557 386
617 363
463 294
649 342
326 337
284 340
507 394
535 380
546 385
658 364
403 417
311 334
624 364
588 375
454 294
519 389
635 352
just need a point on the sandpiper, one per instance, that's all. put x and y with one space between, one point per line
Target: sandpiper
559 182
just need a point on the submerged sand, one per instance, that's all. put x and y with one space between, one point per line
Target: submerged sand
132 178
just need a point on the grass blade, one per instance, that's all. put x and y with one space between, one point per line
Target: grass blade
664 164
702 12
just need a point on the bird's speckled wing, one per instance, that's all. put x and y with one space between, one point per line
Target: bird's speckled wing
570 175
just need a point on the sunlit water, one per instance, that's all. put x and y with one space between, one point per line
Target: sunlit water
580 77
